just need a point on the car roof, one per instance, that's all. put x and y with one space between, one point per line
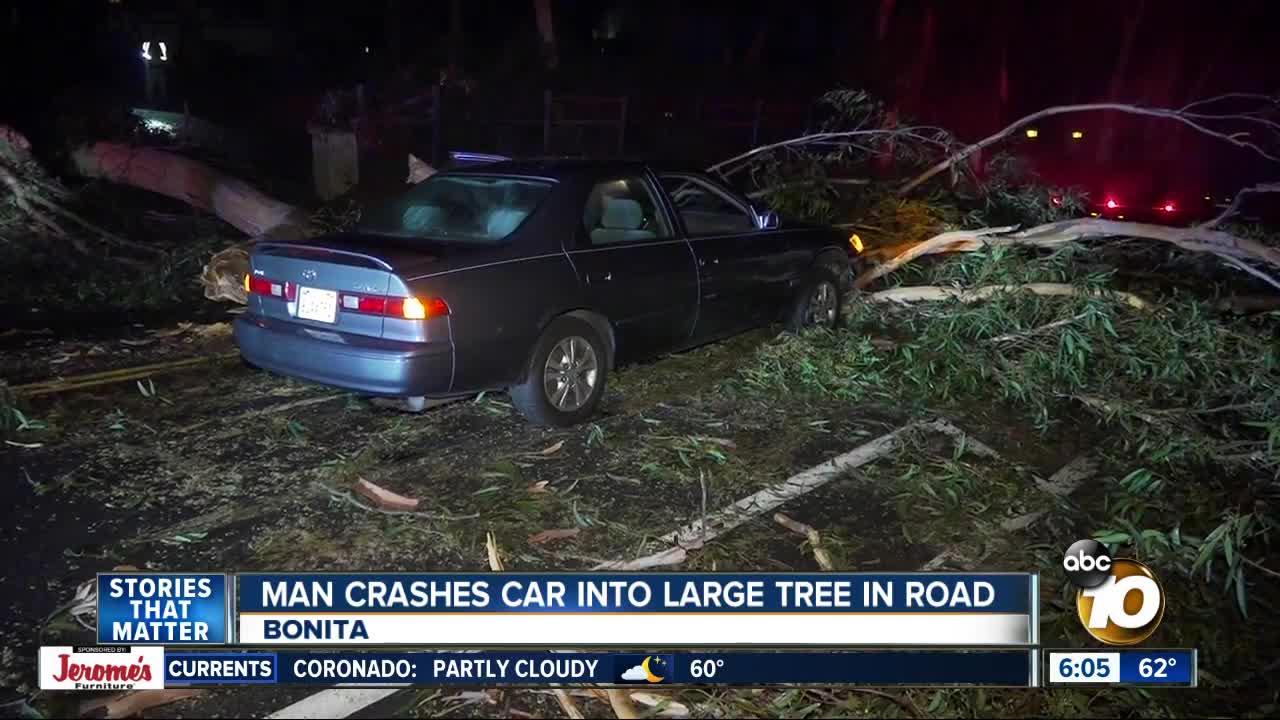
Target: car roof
556 168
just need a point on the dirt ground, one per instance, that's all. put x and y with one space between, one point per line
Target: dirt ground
219 467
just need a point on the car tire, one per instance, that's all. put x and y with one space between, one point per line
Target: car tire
566 375
819 302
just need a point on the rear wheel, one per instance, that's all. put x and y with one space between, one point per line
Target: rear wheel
818 302
566 375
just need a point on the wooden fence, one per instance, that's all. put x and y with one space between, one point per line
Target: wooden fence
685 129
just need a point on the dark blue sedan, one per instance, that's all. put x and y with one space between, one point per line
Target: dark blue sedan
533 276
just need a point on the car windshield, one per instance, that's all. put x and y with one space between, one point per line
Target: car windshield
471 209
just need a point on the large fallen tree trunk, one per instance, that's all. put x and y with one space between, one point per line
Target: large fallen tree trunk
195 183
233 200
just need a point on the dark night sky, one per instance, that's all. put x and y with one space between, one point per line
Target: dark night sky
972 66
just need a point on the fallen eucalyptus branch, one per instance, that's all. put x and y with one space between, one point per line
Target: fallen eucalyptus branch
1194 120
1198 238
934 293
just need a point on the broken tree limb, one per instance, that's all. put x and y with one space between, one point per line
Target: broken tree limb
954 241
922 134
1198 238
701 531
347 497
334 703
8 179
1018 336
1194 120
757 194
79 382
934 293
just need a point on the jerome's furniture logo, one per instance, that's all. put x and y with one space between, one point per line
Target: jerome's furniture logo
101 667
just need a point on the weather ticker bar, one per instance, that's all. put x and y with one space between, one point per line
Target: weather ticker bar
978 668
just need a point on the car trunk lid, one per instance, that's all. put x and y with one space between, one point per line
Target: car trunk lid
306 284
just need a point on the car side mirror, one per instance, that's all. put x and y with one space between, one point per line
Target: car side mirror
766 219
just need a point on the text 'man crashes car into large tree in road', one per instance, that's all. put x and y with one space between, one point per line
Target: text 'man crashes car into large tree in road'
533 276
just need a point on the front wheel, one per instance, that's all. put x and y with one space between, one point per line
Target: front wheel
566 375
818 302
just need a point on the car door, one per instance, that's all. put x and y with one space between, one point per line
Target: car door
747 274
634 266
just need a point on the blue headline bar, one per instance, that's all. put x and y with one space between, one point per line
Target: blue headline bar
636 592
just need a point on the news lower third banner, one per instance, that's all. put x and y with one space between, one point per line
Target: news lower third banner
638 609
617 610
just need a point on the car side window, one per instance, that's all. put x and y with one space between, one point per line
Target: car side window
624 210
706 210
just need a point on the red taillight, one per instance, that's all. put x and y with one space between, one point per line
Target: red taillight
263 286
1168 207
1112 204
399 307
367 304
271 288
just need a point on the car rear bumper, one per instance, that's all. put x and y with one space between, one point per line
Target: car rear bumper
352 362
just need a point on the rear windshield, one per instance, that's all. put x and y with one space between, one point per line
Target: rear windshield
470 209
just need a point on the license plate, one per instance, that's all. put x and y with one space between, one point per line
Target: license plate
317 304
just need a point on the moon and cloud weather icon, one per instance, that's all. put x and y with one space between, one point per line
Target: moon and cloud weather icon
653 670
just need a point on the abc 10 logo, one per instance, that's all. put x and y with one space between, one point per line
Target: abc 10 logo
1120 601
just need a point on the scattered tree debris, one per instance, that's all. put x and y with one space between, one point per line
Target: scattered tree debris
133 704
621 704
547 536
495 557
566 702
820 554
418 170
384 498
550 450
663 705
1067 480
347 497
694 535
